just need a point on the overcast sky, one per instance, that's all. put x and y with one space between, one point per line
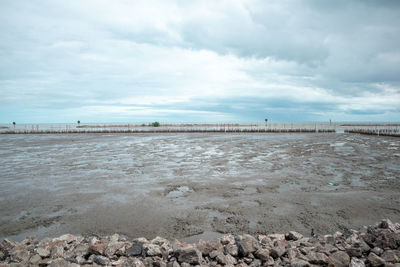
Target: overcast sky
199 61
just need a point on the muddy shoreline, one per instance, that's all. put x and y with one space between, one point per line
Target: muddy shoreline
188 184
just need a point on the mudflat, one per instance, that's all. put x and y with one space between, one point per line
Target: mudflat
188 184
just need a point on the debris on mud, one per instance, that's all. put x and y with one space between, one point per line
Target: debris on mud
377 245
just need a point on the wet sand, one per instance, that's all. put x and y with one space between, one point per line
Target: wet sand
186 184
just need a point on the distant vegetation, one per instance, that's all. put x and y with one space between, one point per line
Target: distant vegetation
155 124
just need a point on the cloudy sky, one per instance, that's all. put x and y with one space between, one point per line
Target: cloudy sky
199 61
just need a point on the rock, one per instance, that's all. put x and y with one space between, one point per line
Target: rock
189 255
56 252
134 262
6 246
60 262
230 260
276 236
387 224
159 241
339 259
299 263
81 249
232 249
356 263
101 260
262 254
390 256
114 238
278 250
269 262
255 263
97 249
135 250
292 235
247 244
152 250
113 247
207 247
43 252
173 264
158 262
20 254
317 258
354 252
67 238
374 260
377 250
228 239
35 259
219 257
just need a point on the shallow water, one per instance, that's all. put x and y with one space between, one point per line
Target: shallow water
185 184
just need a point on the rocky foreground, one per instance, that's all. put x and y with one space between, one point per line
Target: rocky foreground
377 245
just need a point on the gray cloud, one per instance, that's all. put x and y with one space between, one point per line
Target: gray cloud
297 60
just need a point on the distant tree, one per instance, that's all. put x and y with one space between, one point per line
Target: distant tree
79 122
155 124
14 123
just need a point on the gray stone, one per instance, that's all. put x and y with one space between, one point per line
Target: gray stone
390 256
114 238
159 241
232 249
113 247
317 258
255 263
356 263
189 255
374 260
354 252
278 250
101 260
276 236
20 254
152 250
377 250
292 235
67 238
134 262
98 249
339 259
220 258
228 239
230 260
262 254
81 249
35 259
56 252
298 263
135 250
247 244
59 262
207 247
43 252
387 224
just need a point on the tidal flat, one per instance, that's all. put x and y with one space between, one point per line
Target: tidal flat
180 185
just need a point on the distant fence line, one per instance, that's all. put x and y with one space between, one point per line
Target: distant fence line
381 132
168 130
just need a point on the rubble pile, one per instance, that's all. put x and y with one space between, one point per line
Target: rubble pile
377 245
